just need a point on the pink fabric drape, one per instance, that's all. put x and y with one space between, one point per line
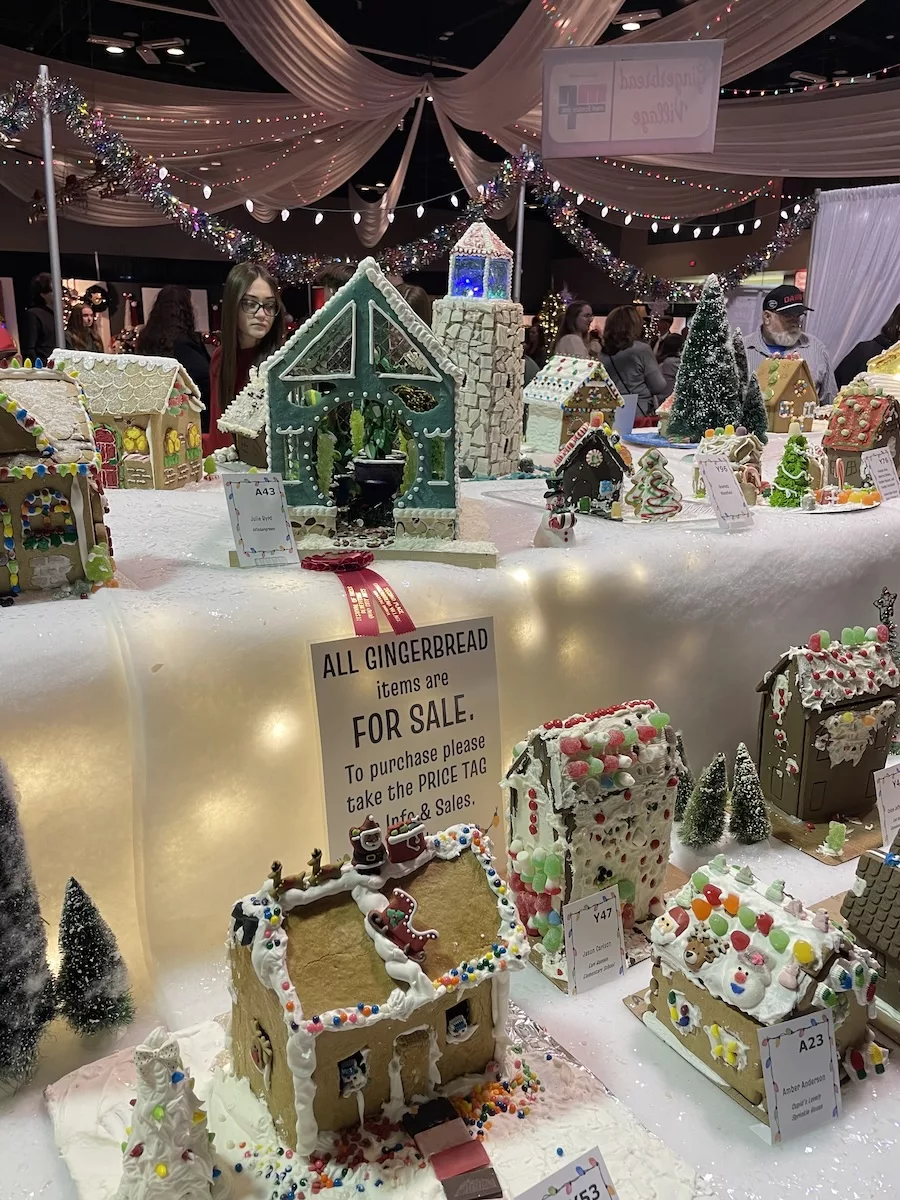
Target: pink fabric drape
374 217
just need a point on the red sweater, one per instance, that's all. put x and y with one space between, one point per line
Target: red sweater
244 360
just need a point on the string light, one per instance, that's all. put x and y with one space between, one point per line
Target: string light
741 227
580 198
841 81
390 218
320 217
285 213
357 217
420 210
676 228
454 200
163 172
604 211
716 230
207 191
697 231
757 223
628 219
248 204
655 226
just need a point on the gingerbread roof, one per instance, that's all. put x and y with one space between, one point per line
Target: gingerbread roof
838 674
857 419
887 363
872 905
590 437
332 969
121 385
48 405
562 378
479 238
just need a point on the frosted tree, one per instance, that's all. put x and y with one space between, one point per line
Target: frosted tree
653 494
749 820
753 408
27 1000
168 1152
708 390
686 782
704 817
792 479
740 359
92 986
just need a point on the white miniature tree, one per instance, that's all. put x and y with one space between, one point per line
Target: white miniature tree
168 1152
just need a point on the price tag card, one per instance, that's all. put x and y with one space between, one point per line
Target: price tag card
259 520
586 1178
724 493
887 794
595 943
800 1070
880 466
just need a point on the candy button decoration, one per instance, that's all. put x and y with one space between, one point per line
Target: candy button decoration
159 1112
731 904
778 939
803 952
740 940
747 917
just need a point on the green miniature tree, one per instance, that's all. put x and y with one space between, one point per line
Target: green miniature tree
686 781
708 390
836 836
740 359
753 411
98 567
653 494
210 466
792 479
704 817
552 312
92 987
749 820
326 453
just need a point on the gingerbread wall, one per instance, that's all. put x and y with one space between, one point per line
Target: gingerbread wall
34 563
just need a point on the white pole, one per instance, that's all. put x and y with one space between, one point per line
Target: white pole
52 229
520 241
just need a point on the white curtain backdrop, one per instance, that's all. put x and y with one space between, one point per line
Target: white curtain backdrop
854 274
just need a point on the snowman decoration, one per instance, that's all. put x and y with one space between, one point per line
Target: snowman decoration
557 527
749 981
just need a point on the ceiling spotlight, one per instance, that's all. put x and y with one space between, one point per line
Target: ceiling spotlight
175 51
203 168
248 204
717 229
784 214
320 217
741 227
207 191
285 213
604 211
357 217
318 141
655 226
676 228
214 164
420 210
579 199
163 172
454 200
381 184
629 219
115 49
757 223
697 231
631 26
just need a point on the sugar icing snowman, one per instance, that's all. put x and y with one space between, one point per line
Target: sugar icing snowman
749 981
557 529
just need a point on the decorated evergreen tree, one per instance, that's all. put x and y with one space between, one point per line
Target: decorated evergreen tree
749 821
792 479
92 987
708 390
740 359
753 411
169 1151
551 314
686 782
653 494
27 1001
704 817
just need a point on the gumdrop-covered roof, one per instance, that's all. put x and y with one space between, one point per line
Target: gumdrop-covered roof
838 674
857 419
48 405
481 239
119 385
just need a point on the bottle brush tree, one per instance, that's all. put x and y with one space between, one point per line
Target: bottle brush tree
27 1001
704 816
749 820
792 479
708 390
93 990
686 782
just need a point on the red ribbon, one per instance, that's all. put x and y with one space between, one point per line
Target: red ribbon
363 589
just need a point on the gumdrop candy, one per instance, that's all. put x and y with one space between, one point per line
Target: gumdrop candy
552 939
825 638
884 633
659 720
740 940
701 908
552 866
538 854
542 921
570 745
554 917
577 768
630 737
718 925
859 635
747 917
815 643
872 634
847 635
699 880
539 882
778 939
803 952
713 894
731 904
764 923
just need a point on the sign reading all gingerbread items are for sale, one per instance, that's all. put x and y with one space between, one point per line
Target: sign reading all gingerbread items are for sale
409 726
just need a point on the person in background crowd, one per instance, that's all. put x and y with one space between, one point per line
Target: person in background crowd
38 328
781 335
574 331
663 329
533 337
539 343
630 362
252 328
857 360
668 355
81 332
170 332
418 300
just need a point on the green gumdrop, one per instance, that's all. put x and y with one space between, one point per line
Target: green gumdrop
527 873
626 890
659 720
596 768
552 939
538 854
542 922
825 638
539 882
859 635
630 737
871 634
779 939
847 635
747 917
699 880
553 866
718 925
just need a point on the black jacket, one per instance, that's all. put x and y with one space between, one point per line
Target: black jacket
38 333
856 361
194 357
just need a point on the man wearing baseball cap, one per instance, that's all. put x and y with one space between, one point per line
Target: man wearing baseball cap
781 334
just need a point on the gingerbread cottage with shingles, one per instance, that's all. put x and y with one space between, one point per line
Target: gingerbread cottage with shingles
788 392
52 529
871 909
565 394
146 414
366 984
592 467
589 804
826 718
863 418
733 955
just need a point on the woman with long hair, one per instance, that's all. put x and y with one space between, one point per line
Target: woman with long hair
668 355
574 331
170 332
856 361
81 333
630 361
252 328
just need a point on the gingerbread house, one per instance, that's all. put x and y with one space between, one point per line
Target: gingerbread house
589 804
733 955
742 449
52 529
365 984
146 414
883 371
592 467
788 392
863 418
826 718
565 394
871 909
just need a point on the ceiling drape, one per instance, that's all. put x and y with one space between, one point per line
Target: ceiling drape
375 218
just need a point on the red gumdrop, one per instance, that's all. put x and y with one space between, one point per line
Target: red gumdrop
815 642
137 1151
577 768
740 940
570 745
646 733
764 923
610 763
713 894
883 633
543 903
616 738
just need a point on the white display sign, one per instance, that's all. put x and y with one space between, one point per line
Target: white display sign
800 1071
651 98
585 1178
409 726
595 942
259 520
887 796
880 465
724 494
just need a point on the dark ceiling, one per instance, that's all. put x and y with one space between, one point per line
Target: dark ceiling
439 37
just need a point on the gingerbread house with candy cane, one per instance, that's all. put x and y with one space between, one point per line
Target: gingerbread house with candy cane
826 718
363 984
589 804
863 418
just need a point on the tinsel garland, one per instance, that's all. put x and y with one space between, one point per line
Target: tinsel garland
138 175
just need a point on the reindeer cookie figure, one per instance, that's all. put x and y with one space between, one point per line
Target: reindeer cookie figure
557 527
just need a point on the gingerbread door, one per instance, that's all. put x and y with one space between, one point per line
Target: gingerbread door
109 456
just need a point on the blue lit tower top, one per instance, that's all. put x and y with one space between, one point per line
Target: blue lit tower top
480 265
